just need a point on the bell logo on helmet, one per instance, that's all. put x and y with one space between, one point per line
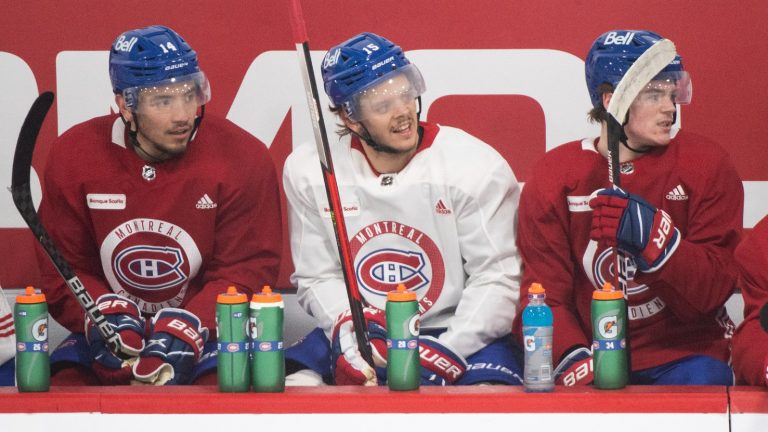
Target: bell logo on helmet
331 59
614 38
125 45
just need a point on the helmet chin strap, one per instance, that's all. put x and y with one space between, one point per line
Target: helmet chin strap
134 141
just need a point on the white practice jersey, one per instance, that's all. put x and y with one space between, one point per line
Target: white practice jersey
444 226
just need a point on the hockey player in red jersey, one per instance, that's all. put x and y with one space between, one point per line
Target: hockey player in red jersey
571 219
157 212
425 205
750 342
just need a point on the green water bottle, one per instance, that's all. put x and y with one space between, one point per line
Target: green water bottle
609 327
233 341
30 318
403 368
267 355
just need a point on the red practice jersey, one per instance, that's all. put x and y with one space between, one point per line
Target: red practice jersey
170 234
750 343
674 312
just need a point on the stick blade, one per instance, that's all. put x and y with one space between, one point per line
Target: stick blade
647 66
25 145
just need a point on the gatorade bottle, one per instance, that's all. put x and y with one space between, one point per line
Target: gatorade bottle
233 341
609 352
537 340
30 318
403 368
268 357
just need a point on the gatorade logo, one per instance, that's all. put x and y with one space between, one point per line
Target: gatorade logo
608 327
40 330
530 343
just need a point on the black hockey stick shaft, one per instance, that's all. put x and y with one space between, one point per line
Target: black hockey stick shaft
329 177
615 132
22 198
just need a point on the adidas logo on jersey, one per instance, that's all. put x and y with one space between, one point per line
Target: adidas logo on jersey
677 194
205 203
440 208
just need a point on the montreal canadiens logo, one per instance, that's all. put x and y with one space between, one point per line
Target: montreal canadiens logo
603 269
600 267
386 267
150 261
150 267
389 253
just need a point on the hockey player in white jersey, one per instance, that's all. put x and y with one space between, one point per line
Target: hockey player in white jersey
425 205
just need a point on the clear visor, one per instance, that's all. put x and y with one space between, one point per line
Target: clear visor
665 87
387 94
192 89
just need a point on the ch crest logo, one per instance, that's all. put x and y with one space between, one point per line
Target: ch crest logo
383 270
150 268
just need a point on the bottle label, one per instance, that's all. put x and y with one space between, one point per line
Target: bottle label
267 346
32 346
403 344
537 374
233 347
609 345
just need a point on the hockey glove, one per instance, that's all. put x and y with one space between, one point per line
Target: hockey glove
634 226
349 367
175 343
575 368
122 314
440 365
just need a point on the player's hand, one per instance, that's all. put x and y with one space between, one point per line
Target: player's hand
122 314
635 226
174 346
440 364
575 369
349 367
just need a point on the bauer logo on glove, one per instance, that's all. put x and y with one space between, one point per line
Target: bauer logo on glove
633 225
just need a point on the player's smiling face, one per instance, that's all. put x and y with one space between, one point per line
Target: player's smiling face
651 116
389 114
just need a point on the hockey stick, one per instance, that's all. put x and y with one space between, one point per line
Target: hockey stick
22 198
642 71
329 176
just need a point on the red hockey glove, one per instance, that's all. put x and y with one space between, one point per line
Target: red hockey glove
348 365
440 365
175 343
114 368
575 368
635 226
